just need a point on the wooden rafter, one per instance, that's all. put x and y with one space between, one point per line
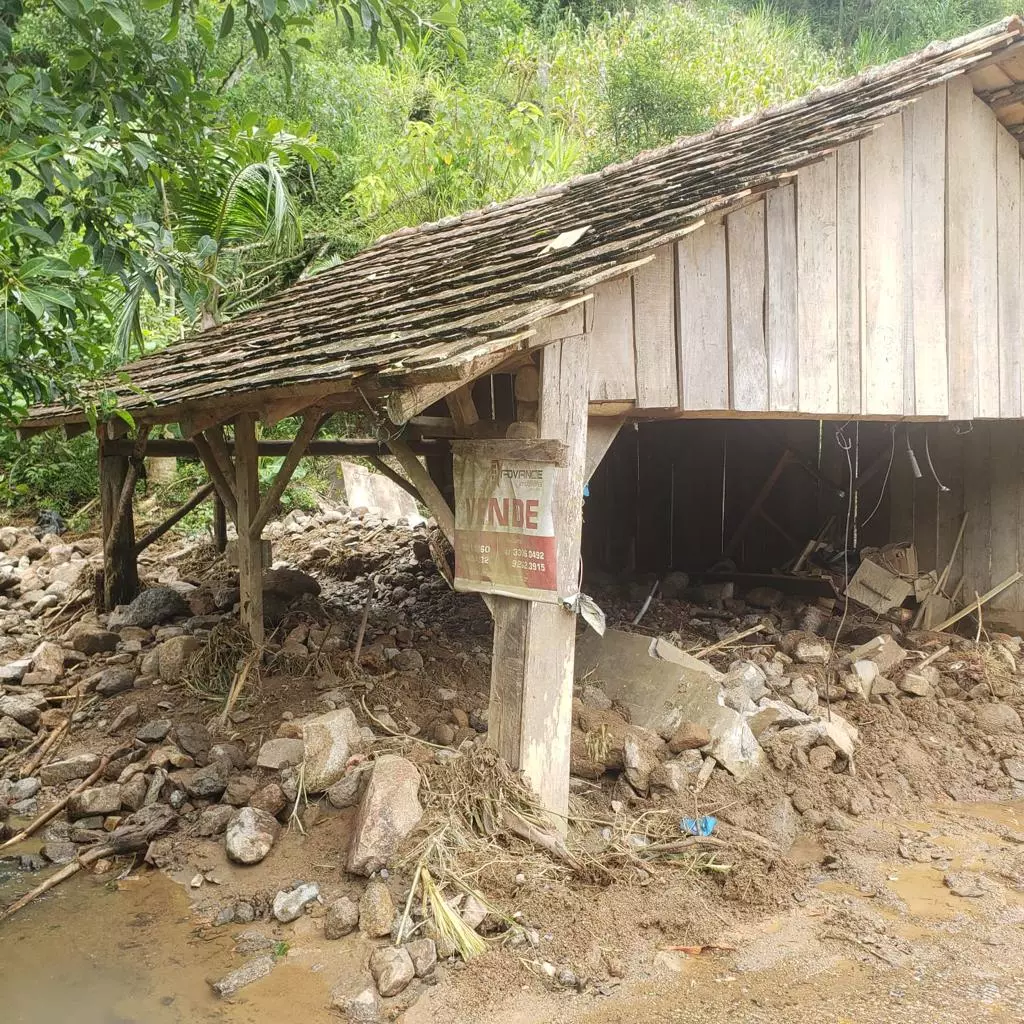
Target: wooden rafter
225 486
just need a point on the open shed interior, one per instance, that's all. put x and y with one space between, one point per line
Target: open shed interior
705 495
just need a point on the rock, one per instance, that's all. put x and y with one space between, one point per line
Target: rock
357 1005
171 757
91 639
60 851
342 918
882 687
803 694
964 884
14 671
329 741
22 789
252 942
640 758
98 800
240 790
280 753
677 776
194 738
1014 767
390 810
288 905
250 971
128 715
409 660
49 657
803 799
376 910
154 731
151 608
133 792
392 970
444 734
115 680
915 684
214 820
423 953
811 650
473 912
689 736
749 677
207 783
822 758
175 655
882 650
270 798
595 697
69 770
764 597
24 709
993 719
289 584
345 792
250 835
12 733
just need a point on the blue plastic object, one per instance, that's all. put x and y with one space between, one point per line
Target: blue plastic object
698 826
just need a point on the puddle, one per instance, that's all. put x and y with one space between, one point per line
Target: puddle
1010 815
127 953
806 850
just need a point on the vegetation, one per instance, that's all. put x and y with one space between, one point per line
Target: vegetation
166 164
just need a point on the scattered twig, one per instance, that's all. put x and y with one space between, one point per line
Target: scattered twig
51 742
933 656
727 640
362 624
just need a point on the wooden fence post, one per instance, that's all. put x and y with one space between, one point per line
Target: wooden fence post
120 566
250 548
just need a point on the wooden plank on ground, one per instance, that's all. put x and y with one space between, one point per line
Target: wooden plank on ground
781 303
748 355
654 329
848 315
816 298
925 124
703 320
1008 253
612 362
882 260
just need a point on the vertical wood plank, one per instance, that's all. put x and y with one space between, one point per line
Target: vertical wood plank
882 259
781 301
925 124
748 355
978 502
612 363
984 256
1008 275
1005 490
816 300
654 328
848 327
250 548
703 324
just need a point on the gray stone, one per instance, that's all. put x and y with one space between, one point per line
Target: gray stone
1014 767
357 1003
249 972
280 753
423 953
133 792
49 657
174 657
22 789
251 942
240 790
154 731
288 905
94 640
214 820
342 918
97 800
289 584
207 783
345 792
24 709
60 851
678 775
993 719
128 715
250 835
409 660
595 697
748 676
193 737
328 742
115 680
14 671
804 694
71 769
915 685
150 608
12 733
376 910
389 811
243 913
392 970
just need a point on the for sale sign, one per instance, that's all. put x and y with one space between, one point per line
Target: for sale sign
504 527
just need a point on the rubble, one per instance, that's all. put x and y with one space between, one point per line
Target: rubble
392 970
376 911
289 904
389 811
252 970
342 917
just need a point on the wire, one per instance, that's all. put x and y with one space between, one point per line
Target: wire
885 479
845 445
928 456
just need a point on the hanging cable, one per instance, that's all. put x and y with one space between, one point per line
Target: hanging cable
928 456
914 467
885 479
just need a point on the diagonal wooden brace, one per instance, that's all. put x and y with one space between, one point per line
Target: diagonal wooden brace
225 489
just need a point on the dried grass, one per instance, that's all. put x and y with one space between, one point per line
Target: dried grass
227 661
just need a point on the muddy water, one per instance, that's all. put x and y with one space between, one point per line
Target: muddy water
127 952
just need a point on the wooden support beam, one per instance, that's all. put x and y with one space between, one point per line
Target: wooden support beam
118 477
755 507
219 446
220 525
530 715
250 549
199 420
429 493
196 499
225 486
310 424
445 426
544 450
396 478
463 408
601 432
173 447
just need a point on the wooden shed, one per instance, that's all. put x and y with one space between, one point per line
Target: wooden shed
809 291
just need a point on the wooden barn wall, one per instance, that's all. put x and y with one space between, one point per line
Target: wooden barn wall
884 280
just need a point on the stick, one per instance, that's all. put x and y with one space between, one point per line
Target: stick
931 657
919 617
977 636
37 759
984 599
362 624
730 639
55 879
647 604
56 808
197 498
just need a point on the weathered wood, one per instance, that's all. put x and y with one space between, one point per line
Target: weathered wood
250 548
983 599
882 260
977 566
167 447
848 277
781 299
120 569
703 320
1006 481
530 715
925 129
225 486
601 432
816 299
310 424
550 451
428 490
220 525
654 326
1008 261
612 362
748 354
195 500
463 409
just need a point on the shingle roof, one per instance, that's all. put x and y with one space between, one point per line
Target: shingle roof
424 297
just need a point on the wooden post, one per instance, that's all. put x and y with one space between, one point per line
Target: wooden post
530 715
250 549
220 525
120 567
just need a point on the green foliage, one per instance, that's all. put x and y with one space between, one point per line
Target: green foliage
47 471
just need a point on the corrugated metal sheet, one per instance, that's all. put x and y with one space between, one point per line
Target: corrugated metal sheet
440 293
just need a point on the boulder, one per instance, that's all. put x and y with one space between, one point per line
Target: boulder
392 970
289 904
133 792
358 1003
154 731
289 584
49 657
115 680
423 953
280 753
97 800
330 740
993 719
250 835
250 971
390 810
23 708
92 639
71 769
376 911
174 657
341 919
150 608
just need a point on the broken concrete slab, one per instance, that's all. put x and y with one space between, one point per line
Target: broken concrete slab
877 588
882 650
